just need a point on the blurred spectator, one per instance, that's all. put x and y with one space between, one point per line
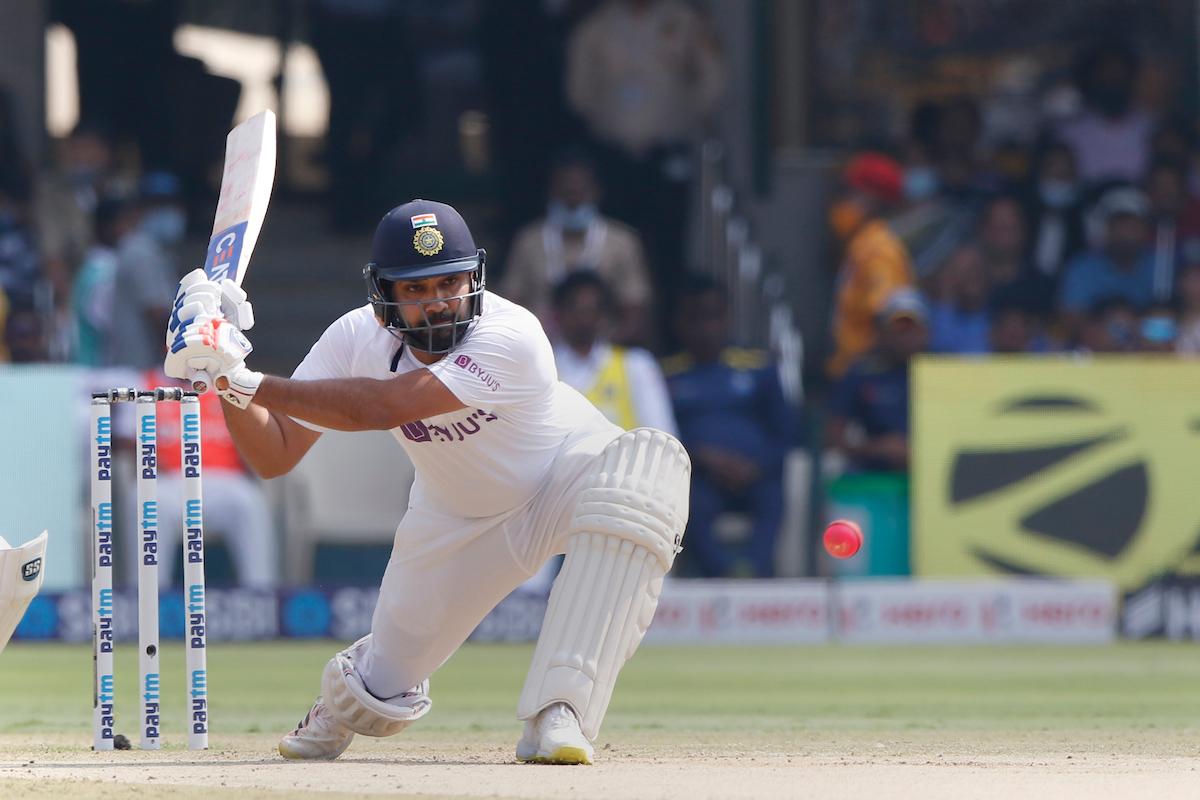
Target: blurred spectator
374 99
958 317
944 181
1110 136
1123 267
874 262
1003 239
869 406
961 173
145 275
1111 326
737 428
66 200
1173 140
1158 329
20 269
25 336
645 75
523 45
92 294
1166 191
574 236
1053 209
1189 309
624 383
1013 329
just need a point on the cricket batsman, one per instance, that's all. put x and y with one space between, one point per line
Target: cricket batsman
512 467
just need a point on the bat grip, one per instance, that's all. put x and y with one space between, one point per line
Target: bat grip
200 380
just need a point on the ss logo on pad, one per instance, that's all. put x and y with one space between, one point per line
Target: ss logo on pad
31 569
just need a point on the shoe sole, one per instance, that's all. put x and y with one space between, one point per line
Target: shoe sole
296 755
563 755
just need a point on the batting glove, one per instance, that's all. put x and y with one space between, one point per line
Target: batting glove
206 343
198 295
243 382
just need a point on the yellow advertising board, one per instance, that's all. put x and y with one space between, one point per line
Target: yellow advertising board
1056 466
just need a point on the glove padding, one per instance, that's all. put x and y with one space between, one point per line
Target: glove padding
240 385
197 295
208 343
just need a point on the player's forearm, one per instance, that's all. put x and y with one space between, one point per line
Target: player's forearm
345 404
261 440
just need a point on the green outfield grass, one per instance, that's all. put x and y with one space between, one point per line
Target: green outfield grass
692 692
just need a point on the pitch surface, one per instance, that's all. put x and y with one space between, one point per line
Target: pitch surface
841 722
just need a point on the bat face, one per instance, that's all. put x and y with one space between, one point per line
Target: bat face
224 254
245 193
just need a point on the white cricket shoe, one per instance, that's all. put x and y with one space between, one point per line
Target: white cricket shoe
318 737
554 737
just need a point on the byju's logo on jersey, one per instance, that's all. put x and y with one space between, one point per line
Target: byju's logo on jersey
489 380
224 251
451 432
31 569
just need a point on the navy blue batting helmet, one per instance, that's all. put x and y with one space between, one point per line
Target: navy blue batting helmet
418 240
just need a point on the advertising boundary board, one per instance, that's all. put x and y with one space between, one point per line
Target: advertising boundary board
732 613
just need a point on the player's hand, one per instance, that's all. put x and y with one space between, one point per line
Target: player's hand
197 297
207 343
225 298
237 386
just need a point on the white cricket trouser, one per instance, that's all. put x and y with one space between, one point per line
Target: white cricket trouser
447 572
235 511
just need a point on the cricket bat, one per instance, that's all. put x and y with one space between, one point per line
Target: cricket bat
246 185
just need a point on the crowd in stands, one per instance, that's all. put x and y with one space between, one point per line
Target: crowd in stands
1086 240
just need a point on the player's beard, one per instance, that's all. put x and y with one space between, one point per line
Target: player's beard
441 339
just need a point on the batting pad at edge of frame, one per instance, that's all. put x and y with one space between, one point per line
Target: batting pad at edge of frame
623 539
21 571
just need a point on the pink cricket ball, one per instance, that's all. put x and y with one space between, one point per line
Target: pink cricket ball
843 538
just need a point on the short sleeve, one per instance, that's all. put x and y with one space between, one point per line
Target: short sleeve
505 360
332 354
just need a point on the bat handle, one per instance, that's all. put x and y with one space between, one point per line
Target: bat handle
200 381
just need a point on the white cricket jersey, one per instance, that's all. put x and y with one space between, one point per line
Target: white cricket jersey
492 456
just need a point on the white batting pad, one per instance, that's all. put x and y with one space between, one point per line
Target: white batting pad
21 571
352 705
624 535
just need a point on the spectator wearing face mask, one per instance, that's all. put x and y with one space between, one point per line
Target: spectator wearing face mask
574 236
146 272
1052 205
1123 265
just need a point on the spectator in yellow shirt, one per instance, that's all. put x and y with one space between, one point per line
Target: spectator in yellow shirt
875 262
